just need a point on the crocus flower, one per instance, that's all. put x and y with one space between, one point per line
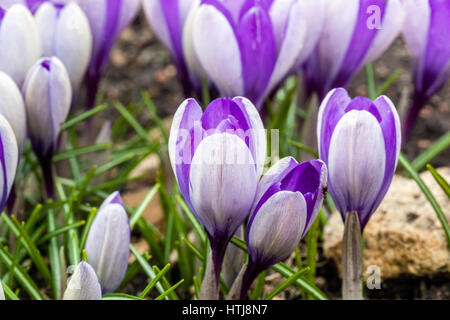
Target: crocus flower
108 242
65 33
83 285
47 94
288 200
167 19
19 42
9 158
426 34
355 33
107 18
247 47
359 140
217 157
12 108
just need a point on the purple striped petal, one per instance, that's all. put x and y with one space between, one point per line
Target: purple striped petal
83 284
9 158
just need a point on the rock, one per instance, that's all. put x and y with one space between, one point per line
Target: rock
404 236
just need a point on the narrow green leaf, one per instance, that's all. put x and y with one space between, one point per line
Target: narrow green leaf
8 292
259 287
60 230
144 204
426 191
81 151
154 281
55 261
119 296
87 227
197 226
371 85
132 121
170 290
389 82
303 147
432 152
286 283
440 180
80 118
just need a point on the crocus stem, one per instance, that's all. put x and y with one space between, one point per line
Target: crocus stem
251 272
210 287
352 258
47 171
235 291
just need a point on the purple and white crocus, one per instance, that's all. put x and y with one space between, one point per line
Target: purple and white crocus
167 19
288 200
425 31
108 243
65 33
19 42
248 47
218 157
355 33
9 159
359 140
107 18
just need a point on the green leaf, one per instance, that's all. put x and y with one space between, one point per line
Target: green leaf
132 121
8 292
259 287
432 152
389 82
371 85
119 296
80 118
197 226
286 283
60 230
81 151
303 147
440 180
55 262
170 290
21 275
154 281
415 176
144 204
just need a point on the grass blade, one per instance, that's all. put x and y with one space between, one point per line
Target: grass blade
440 180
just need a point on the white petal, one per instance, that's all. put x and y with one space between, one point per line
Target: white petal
278 225
20 43
337 33
10 160
223 182
45 18
291 46
83 285
74 51
218 50
356 160
13 108
107 246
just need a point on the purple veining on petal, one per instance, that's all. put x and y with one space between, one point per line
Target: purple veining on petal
223 10
359 45
257 46
33 5
222 109
332 112
364 103
2 14
5 177
438 51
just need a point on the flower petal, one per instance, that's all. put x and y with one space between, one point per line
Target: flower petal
277 228
222 162
218 50
107 246
356 163
83 285
9 159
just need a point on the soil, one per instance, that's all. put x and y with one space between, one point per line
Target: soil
140 62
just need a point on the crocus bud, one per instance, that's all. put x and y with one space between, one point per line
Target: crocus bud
167 19
425 33
19 40
248 47
48 95
217 157
108 242
287 202
107 18
9 158
359 140
12 108
355 33
66 34
83 285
